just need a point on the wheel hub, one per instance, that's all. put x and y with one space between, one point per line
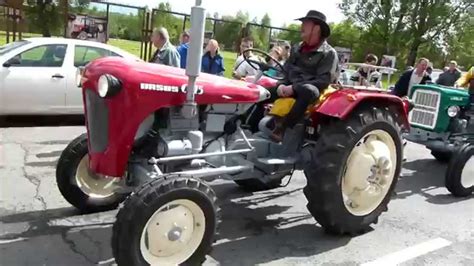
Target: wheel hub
172 233
175 234
467 174
93 185
369 173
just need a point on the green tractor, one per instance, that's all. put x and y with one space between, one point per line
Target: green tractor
440 118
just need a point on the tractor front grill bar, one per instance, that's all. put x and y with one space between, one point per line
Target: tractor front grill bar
425 112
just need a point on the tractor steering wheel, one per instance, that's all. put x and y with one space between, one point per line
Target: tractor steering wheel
264 66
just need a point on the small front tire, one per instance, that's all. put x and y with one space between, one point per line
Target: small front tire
170 221
81 188
460 173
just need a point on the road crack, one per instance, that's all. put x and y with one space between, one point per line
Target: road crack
32 179
96 243
73 247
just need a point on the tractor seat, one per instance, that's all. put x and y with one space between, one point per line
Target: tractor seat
282 106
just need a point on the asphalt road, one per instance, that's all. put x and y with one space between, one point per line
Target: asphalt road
424 225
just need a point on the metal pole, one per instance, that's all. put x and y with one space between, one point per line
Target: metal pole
199 156
270 37
7 18
193 61
214 28
184 23
107 28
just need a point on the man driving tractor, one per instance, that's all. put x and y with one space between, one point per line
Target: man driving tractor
310 69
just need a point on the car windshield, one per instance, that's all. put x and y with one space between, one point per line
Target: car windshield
11 46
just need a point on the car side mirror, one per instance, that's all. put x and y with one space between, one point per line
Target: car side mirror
11 62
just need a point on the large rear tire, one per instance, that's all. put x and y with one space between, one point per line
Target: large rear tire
460 173
354 169
171 221
81 188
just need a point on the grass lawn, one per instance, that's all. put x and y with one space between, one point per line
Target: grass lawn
133 47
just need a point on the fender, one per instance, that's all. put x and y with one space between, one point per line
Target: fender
341 103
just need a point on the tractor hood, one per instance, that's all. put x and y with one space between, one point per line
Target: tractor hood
432 103
134 91
144 81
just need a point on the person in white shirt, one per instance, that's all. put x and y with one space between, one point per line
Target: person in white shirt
412 77
242 68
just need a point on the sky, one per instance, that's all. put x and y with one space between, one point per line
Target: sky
280 11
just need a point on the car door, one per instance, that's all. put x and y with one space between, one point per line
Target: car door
34 81
83 54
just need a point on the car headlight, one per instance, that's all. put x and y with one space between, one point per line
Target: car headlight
453 111
108 86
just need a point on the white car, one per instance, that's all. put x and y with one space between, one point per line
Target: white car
37 75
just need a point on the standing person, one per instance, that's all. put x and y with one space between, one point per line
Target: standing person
412 77
183 48
449 77
212 61
277 53
467 81
166 53
361 76
242 68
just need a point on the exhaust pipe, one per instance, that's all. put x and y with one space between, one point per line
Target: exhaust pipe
193 61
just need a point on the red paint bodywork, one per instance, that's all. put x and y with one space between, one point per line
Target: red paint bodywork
341 103
132 105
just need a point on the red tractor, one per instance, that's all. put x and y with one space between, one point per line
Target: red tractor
155 134
85 27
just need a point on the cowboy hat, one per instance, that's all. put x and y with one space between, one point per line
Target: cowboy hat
320 19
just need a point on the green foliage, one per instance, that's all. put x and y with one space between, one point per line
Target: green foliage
409 29
293 35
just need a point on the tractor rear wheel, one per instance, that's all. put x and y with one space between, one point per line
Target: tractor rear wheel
81 188
354 169
460 174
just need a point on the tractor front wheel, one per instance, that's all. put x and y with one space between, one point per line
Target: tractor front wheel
83 189
354 169
460 173
168 221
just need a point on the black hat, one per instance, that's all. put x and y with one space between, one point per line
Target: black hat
320 19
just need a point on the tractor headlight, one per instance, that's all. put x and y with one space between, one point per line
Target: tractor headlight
108 86
453 111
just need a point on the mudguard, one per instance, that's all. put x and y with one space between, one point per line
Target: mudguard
341 103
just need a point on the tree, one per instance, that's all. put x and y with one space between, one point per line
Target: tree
43 16
391 26
430 19
292 33
264 33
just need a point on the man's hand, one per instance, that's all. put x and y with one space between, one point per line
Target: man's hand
285 91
